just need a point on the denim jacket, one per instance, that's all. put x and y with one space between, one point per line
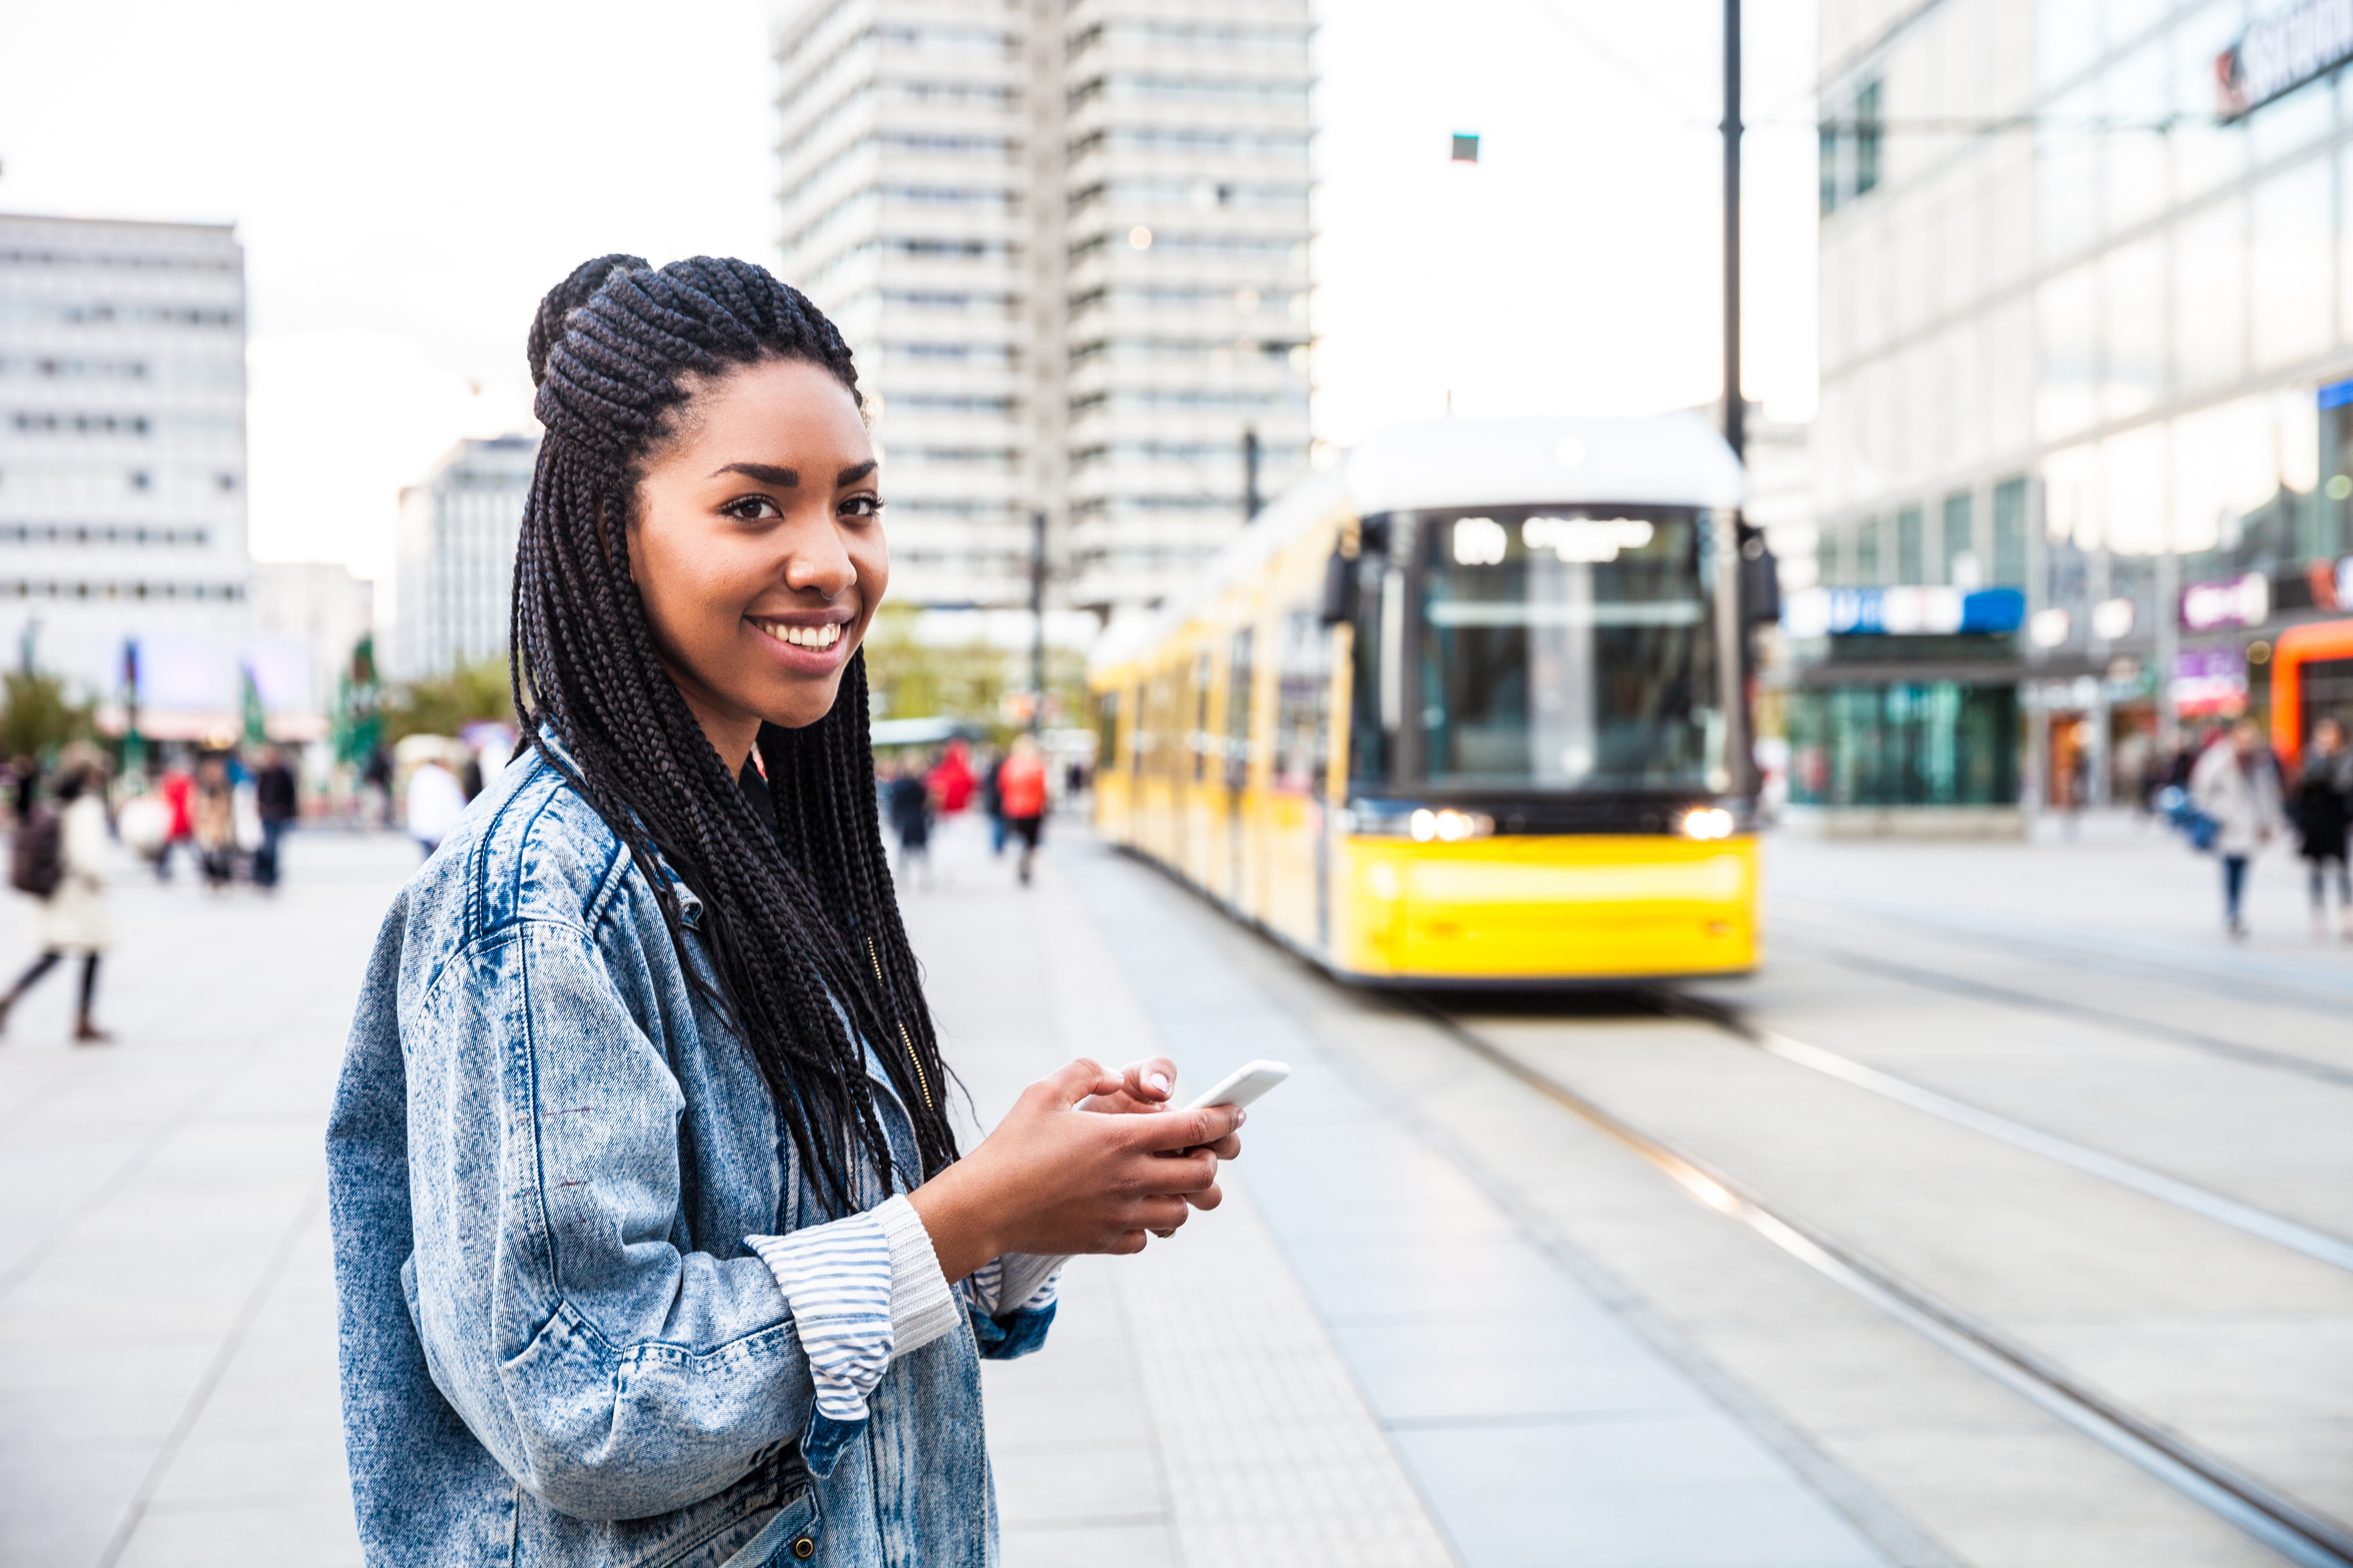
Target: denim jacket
549 1158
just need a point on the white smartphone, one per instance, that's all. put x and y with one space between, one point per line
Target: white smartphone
1243 1086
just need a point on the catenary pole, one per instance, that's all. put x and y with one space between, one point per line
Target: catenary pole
1038 619
1735 411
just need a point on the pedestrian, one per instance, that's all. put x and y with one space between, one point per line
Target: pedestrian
432 804
214 817
652 1241
2236 782
951 780
910 819
993 802
375 789
1022 786
2324 807
278 802
65 853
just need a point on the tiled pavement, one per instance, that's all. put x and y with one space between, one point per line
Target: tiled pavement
1361 1359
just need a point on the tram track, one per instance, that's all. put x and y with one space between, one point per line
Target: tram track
1988 991
2264 1512
2189 1196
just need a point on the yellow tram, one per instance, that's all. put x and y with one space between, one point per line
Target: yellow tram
1467 707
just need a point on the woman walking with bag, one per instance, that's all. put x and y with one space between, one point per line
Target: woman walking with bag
652 1241
72 917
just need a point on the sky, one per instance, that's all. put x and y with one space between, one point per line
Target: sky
408 181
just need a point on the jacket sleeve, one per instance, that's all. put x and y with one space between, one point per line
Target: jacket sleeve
612 1373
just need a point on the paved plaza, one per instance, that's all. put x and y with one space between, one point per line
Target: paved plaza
1437 1321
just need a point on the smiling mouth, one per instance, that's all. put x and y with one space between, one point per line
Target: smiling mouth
818 638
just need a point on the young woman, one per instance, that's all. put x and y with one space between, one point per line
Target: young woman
652 1238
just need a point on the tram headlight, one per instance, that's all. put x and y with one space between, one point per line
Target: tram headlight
1707 822
1448 825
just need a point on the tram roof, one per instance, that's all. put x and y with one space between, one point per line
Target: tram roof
1668 459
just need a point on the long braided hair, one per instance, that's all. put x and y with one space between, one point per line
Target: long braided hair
798 920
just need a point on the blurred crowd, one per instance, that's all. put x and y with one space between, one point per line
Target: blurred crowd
2233 795
1015 788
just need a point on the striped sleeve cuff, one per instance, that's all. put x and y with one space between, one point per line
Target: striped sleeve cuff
836 1279
922 1308
1016 1282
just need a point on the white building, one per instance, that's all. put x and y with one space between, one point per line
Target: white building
453 558
122 463
1068 244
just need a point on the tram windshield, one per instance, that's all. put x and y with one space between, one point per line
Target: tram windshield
1568 648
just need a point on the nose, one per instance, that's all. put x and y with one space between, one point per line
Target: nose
816 561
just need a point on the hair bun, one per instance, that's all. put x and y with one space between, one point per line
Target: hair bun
547 327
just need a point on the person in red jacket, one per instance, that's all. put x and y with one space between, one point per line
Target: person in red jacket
951 780
1022 787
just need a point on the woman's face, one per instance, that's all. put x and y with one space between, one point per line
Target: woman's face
757 549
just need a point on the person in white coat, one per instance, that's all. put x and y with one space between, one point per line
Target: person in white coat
434 802
2237 783
73 919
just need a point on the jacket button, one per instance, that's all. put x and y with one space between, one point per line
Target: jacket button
804 1548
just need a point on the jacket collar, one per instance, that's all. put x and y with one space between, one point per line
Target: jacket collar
690 904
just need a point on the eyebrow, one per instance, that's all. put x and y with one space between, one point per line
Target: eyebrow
790 478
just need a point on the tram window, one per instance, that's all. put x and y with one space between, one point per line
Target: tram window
1239 689
1578 655
1107 730
1200 737
1302 705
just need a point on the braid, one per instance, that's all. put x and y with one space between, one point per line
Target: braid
613 351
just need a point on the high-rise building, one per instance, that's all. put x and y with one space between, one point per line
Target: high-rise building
122 462
1068 244
453 558
2086 330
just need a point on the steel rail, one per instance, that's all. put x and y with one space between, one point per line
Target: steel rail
2272 1517
1988 991
2262 1224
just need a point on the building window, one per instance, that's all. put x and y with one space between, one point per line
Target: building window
2010 533
1866 553
1911 558
1848 147
1961 541
1825 558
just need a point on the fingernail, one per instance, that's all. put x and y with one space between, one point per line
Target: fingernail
1240 1116
1158 1080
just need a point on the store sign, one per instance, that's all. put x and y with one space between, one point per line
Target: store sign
2234 601
2209 680
1900 612
2279 53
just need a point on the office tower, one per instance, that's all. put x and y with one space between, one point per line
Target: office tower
453 558
122 463
1068 244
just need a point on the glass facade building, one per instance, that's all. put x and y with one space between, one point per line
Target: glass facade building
2076 320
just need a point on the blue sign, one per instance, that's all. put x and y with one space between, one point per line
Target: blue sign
1902 612
2336 394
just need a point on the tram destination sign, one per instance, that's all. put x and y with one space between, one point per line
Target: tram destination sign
2281 52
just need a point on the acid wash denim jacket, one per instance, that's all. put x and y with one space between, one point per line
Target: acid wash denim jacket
591 1310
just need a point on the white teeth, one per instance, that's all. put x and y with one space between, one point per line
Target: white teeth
806 636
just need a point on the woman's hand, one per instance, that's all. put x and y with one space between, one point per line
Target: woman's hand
1053 1179
1146 1086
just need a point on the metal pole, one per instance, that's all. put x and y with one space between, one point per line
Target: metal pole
1037 618
1250 476
1735 411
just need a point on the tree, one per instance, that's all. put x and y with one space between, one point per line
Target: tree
914 679
445 703
37 717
